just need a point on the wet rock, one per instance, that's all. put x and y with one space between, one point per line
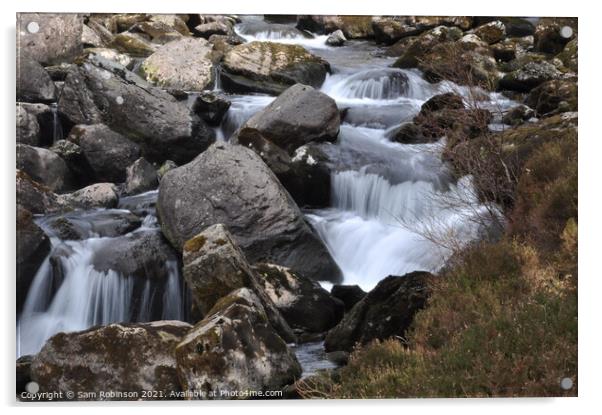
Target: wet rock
108 223
309 178
211 107
423 44
107 152
23 372
50 122
134 44
353 27
57 40
339 357
569 55
33 82
214 266
140 254
44 166
438 102
298 116
131 357
100 91
516 26
529 76
350 295
304 304
28 128
241 192
35 197
270 68
550 36
33 246
185 64
518 115
94 196
491 32
76 161
386 311
551 96
140 177
235 349
410 133
336 38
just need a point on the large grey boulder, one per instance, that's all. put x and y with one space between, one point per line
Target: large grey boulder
529 76
58 37
271 67
33 82
44 166
235 350
98 195
107 152
49 122
125 358
185 64
101 91
35 197
230 184
387 311
214 266
298 116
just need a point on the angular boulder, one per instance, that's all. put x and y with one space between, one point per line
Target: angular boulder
185 64
118 358
298 116
230 184
214 266
33 82
107 152
270 68
35 197
350 295
100 91
44 166
234 351
387 311
304 304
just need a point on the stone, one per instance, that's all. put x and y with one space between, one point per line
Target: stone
549 37
529 76
111 55
422 45
134 44
211 107
33 82
114 359
336 38
185 64
386 311
140 177
99 195
491 32
35 197
241 192
518 115
28 128
350 295
353 27
270 67
549 96
44 166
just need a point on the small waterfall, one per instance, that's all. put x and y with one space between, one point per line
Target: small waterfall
57 128
217 78
254 29
241 109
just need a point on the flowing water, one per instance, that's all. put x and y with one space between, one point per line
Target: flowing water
389 201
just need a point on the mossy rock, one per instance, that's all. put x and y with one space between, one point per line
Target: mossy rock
554 96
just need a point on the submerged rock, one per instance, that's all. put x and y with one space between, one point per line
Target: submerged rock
386 311
270 68
119 358
234 350
298 116
241 192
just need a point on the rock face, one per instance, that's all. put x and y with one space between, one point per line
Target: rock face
235 349
100 91
214 266
238 190
108 153
387 310
33 82
304 304
32 248
298 116
118 357
182 64
350 295
57 40
44 166
271 67
140 177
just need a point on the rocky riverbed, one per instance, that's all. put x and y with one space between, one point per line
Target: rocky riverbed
210 204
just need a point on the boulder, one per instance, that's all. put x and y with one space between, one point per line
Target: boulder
309 179
555 95
529 76
491 32
234 351
569 55
100 91
28 128
76 161
240 191
140 177
115 359
550 36
298 116
44 166
106 223
214 266
336 38
23 372
448 100
350 295
353 27
49 121
33 82
91 38
304 304
270 67
99 195
516 26
111 55
421 45
165 167
389 30
107 152
33 246
185 64
518 115
177 21
386 311
35 197
158 32
134 44
57 40
211 107
222 27
512 48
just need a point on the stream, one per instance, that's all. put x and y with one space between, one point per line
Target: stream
385 198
